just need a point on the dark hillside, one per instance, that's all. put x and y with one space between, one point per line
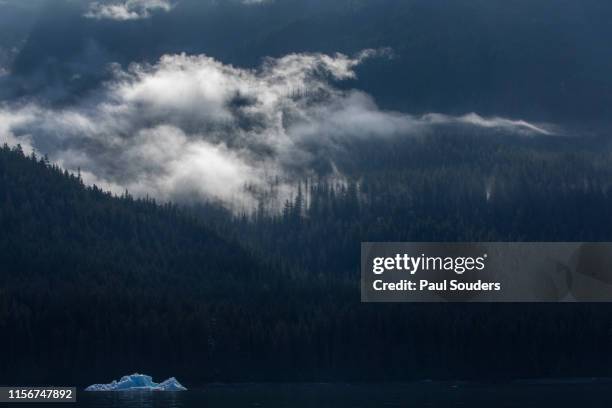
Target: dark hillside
91 278
94 286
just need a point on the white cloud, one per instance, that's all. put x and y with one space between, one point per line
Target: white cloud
191 127
126 9
9 121
494 122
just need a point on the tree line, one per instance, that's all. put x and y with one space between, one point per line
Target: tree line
93 286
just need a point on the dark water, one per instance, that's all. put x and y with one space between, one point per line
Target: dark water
558 394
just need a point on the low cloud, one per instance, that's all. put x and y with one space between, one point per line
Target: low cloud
127 9
491 123
193 128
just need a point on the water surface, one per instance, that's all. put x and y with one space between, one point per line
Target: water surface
541 394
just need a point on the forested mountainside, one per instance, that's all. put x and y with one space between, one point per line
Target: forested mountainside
473 120
92 280
93 286
54 226
456 186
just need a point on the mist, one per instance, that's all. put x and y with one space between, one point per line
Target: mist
190 127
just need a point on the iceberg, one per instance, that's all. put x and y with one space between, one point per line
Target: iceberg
138 382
